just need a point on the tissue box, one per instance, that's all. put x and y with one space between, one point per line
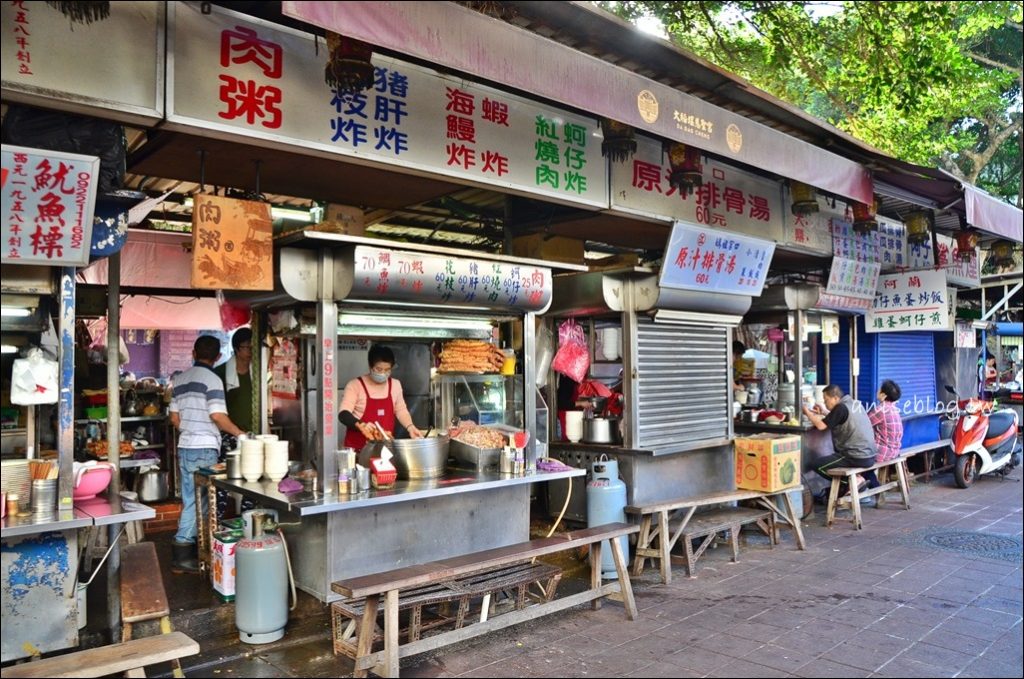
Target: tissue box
224 545
382 473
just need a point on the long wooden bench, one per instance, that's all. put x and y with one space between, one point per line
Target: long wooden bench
391 584
709 524
673 519
130 657
851 476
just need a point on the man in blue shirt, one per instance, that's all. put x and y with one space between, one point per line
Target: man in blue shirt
199 412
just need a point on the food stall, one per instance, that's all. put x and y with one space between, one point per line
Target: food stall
411 296
674 360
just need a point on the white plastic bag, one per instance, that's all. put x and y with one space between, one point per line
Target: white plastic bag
34 380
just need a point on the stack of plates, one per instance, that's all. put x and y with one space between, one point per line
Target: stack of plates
15 478
252 459
275 459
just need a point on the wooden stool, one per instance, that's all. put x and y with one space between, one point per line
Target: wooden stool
142 593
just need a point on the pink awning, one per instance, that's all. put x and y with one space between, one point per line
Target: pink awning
988 213
452 36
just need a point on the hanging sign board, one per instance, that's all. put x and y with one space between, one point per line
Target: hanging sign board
851 278
231 74
959 271
422 278
912 300
48 202
47 61
698 258
728 198
231 244
848 244
811 232
284 369
891 238
965 335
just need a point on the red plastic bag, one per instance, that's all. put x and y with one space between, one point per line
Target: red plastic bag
573 357
232 314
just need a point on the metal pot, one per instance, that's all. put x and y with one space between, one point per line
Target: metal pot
601 430
153 486
420 458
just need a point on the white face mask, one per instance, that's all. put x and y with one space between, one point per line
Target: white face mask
378 378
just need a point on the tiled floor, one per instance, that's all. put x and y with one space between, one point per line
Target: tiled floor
867 603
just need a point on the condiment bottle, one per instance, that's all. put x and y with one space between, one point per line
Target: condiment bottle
12 504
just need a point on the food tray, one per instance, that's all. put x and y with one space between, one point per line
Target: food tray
467 455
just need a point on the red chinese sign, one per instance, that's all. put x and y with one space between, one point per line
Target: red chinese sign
242 96
48 202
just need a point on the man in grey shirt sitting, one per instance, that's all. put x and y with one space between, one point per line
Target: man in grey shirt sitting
853 438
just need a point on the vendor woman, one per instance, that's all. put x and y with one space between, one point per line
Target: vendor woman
374 398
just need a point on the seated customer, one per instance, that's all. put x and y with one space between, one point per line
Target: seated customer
852 436
886 421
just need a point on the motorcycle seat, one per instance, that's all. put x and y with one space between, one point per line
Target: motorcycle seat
999 422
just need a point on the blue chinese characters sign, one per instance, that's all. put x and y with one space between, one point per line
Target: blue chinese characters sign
715 261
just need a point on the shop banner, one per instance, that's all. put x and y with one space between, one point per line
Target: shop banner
848 244
892 244
729 198
233 74
851 278
912 300
422 278
232 245
48 202
964 272
48 61
920 255
842 303
698 258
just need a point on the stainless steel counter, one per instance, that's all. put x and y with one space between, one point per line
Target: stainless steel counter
454 481
95 512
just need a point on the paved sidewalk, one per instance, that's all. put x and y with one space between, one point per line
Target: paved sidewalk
911 595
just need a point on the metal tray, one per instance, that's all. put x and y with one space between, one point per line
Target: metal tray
472 457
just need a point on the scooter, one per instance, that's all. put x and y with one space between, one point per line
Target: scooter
984 440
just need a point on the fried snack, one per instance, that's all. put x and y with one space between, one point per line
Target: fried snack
475 356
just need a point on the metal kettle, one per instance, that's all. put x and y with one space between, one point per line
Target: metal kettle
131 403
153 486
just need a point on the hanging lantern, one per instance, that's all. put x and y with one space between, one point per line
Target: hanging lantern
805 198
84 12
686 168
348 68
966 241
919 227
618 144
864 216
1001 253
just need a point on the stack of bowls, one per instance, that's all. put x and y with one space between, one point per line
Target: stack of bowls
275 460
252 459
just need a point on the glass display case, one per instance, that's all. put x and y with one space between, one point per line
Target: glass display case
484 399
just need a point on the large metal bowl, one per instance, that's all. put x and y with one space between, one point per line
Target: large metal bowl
420 458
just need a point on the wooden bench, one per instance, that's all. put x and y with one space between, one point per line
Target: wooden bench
709 524
850 476
129 657
673 518
143 596
346 615
390 584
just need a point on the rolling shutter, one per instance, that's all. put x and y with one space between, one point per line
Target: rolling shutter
682 385
907 358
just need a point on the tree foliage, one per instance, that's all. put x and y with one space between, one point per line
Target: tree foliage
935 83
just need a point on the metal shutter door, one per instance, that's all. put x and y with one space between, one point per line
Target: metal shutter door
908 359
682 385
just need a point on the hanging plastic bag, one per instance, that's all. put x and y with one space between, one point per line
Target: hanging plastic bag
573 356
232 314
34 379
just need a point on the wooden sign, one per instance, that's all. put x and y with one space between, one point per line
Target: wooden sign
232 246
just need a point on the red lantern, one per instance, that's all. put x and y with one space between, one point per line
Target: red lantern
864 216
348 69
966 241
686 174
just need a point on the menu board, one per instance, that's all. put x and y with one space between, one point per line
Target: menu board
435 279
48 202
715 261
851 278
912 300
892 244
848 244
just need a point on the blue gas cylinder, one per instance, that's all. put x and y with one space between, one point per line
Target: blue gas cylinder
606 503
261 589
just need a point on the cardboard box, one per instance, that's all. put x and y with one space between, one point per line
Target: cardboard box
554 248
222 557
767 462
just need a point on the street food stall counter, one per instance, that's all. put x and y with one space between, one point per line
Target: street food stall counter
369 290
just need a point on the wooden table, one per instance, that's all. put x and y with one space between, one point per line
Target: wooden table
682 510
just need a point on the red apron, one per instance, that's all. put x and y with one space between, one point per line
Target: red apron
380 410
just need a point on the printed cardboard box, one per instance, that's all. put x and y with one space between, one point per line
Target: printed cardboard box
223 548
767 462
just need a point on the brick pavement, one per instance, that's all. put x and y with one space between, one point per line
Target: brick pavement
870 603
